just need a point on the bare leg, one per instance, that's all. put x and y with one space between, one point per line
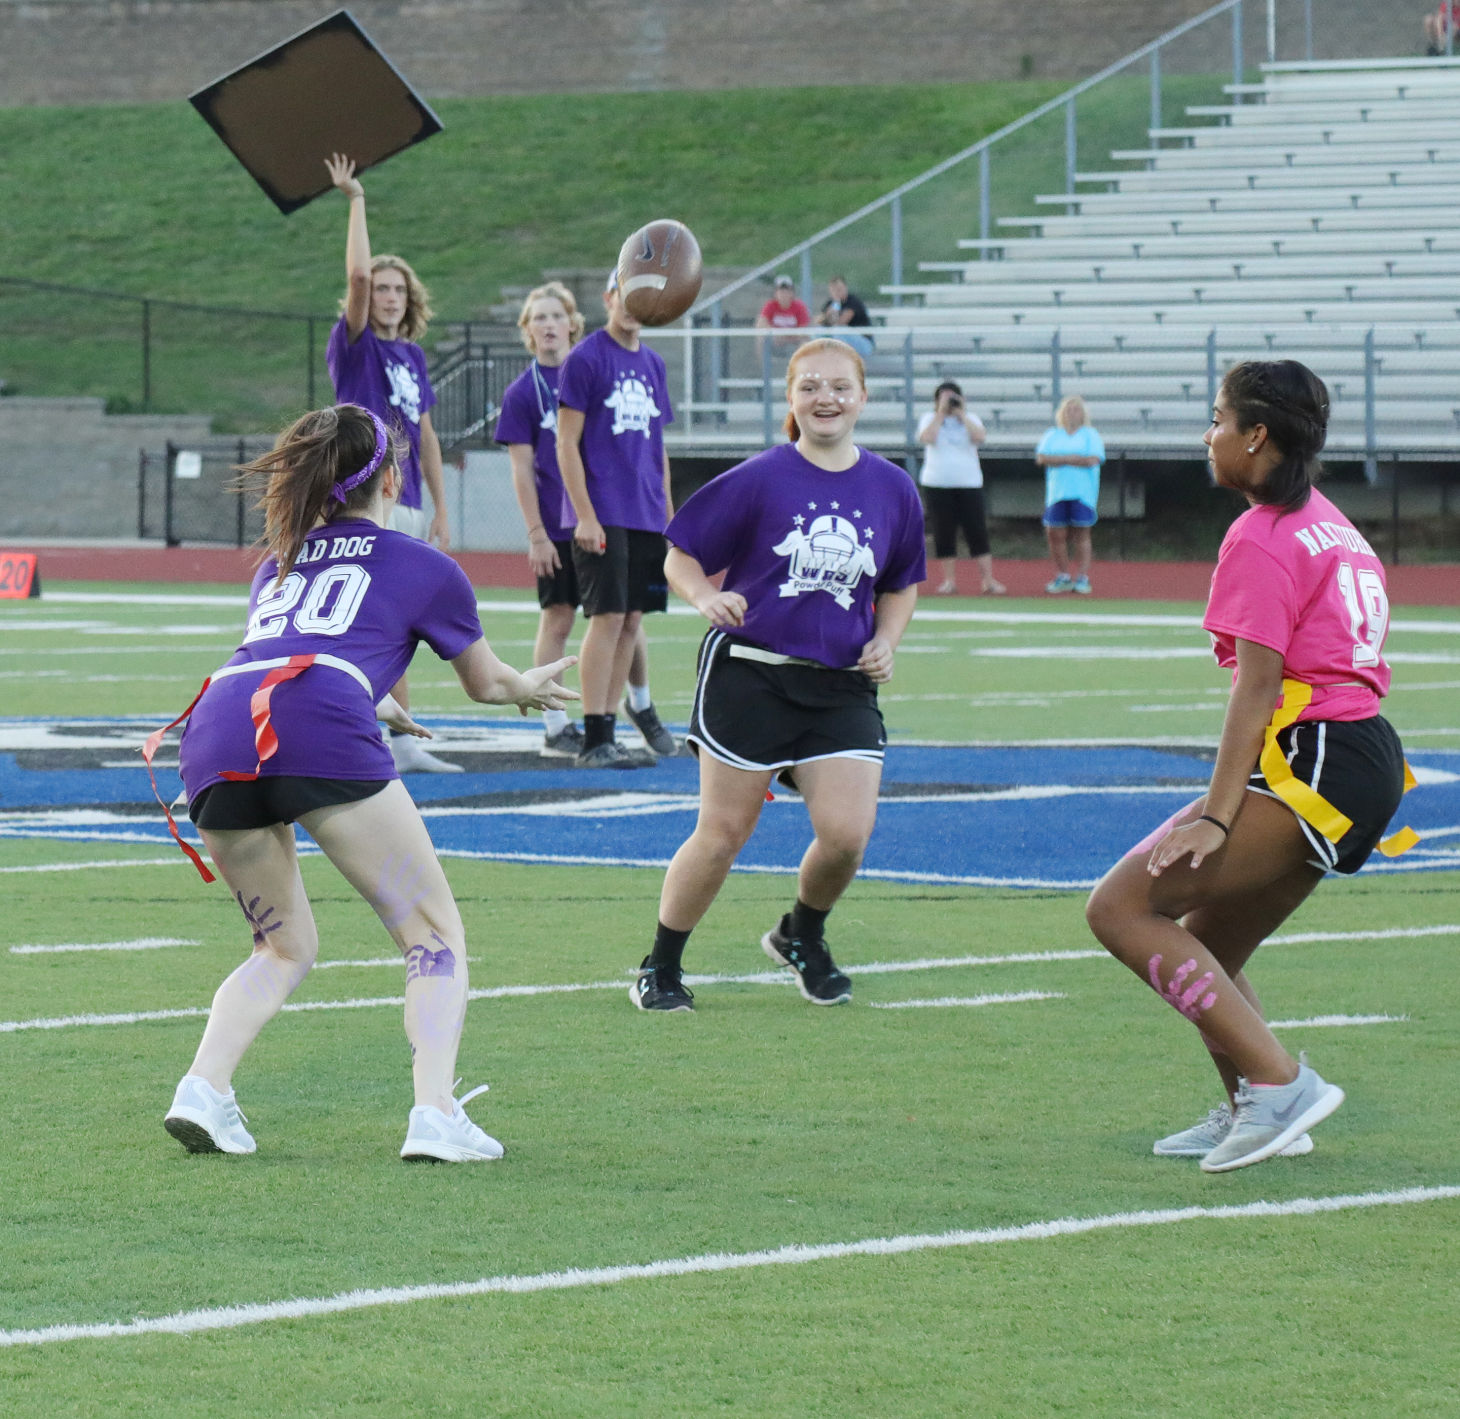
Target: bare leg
262 871
986 572
730 804
841 797
603 663
949 584
381 847
639 662
554 627
1137 917
1080 551
1058 539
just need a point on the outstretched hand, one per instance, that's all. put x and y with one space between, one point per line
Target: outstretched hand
542 691
342 174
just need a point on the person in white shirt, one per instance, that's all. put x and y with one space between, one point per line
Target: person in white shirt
952 481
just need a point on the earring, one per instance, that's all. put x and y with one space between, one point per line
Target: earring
1252 450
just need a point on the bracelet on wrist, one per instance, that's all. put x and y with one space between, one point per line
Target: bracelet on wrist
1216 822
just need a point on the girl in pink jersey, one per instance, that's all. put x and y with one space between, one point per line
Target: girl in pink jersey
1307 773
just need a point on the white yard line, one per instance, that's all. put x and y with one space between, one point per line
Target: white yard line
1316 1020
948 1001
260 1313
144 943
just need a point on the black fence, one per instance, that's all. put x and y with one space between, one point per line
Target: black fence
189 494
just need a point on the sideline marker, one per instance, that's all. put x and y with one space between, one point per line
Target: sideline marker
20 577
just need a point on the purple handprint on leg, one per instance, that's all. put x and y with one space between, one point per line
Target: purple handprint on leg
423 961
258 920
1191 999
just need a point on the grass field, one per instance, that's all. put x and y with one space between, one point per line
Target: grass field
144 200
760 1208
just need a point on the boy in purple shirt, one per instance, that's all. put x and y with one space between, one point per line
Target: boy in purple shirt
286 732
375 361
613 403
551 324
821 546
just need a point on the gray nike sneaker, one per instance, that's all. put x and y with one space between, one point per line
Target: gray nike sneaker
1269 1117
1201 1138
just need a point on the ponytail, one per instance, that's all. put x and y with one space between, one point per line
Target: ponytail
318 458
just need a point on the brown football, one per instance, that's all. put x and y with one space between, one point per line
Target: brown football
659 272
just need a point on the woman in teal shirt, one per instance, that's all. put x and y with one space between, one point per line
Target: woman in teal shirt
1070 453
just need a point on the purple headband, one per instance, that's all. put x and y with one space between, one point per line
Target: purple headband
382 442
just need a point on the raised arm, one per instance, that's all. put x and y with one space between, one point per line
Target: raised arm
357 244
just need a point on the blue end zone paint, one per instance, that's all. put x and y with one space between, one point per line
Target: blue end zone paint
1015 817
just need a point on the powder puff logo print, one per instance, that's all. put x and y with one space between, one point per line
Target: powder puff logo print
632 402
405 390
828 556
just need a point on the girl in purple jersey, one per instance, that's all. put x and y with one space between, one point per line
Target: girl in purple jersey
286 732
1307 772
821 545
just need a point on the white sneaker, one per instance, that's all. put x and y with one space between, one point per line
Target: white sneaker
1199 1140
1271 1117
431 1134
205 1121
411 758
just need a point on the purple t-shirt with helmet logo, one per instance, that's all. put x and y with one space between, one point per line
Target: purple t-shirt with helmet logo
530 415
387 377
809 550
361 594
624 398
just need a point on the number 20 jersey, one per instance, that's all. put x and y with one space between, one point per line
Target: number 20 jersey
358 593
1307 585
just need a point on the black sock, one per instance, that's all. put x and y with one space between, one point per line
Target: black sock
668 947
597 729
808 924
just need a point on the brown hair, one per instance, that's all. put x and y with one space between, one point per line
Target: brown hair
825 346
553 290
1291 402
297 477
418 298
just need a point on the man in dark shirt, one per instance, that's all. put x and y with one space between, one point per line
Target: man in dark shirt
846 309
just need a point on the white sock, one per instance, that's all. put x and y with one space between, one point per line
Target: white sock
554 722
639 698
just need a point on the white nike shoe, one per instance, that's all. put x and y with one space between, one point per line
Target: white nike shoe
411 758
454 1139
1199 1140
205 1121
1269 1117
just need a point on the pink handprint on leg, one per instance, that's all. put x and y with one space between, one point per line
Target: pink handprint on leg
1191 999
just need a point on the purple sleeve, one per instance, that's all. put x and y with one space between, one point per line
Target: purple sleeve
423 376
341 357
575 384
709 525
514 424
906 565
448 620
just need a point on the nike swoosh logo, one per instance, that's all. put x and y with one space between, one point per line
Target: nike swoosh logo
1285 1116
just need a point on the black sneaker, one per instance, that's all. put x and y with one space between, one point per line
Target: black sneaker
816 973
656 736
567 743
660 988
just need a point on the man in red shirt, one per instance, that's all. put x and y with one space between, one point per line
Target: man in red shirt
784 311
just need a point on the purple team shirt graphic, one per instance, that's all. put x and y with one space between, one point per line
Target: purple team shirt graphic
623 396
361 594
387 377
530 415
808 549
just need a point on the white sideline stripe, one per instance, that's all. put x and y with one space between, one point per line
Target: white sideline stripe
1390 934
950 1000
144 943
772 977
88 866
231 1317
1338 1020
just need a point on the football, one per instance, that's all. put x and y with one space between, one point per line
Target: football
659 272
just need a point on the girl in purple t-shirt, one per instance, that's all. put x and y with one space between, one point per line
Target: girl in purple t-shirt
1298 607
821 546
285 732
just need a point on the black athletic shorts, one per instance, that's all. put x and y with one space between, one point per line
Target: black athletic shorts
1358 766
561 588
952 508
760 717
262 802
627 576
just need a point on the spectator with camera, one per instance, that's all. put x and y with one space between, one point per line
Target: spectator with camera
952 480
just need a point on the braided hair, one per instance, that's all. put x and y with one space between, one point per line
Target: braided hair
1291 402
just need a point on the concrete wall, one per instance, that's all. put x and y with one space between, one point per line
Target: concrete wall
108 51
69 469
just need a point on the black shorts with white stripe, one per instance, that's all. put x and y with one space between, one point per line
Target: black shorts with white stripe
759 716
1358 766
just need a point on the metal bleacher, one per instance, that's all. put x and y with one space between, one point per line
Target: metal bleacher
1316 215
